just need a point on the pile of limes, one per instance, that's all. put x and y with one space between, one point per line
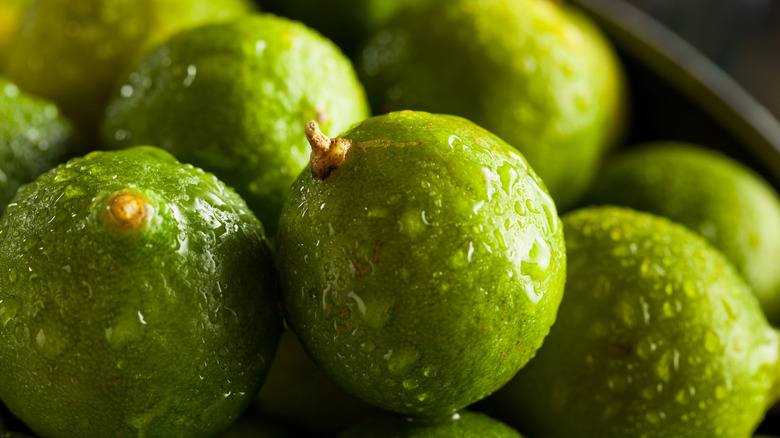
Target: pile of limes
205 232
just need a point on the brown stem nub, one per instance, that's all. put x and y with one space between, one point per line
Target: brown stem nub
327 154
129 211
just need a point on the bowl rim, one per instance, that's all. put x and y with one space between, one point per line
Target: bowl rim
691 73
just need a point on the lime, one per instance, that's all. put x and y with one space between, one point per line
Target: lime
657 336
34 137
136 299
423 270
535 72
719 198
72 52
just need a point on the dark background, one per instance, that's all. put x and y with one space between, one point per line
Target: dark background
740 36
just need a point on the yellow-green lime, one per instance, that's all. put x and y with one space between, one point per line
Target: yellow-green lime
72 52
537 73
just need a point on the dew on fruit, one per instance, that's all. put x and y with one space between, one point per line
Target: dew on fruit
454 141
509 177
690 288
490 178
410 384
8 309
645 348
40 338
712 342
260 46
626 312
11 90
399 360
530 291
540 254
377 212
520 208
191 72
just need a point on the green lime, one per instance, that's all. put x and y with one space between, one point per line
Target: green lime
719 198
72 52
426 267
657 336
136 299
298 393
535 72
463 424
233 99
34 137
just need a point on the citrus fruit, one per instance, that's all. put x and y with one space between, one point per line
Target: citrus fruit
298 393
464 424
422 271
719 198
233 98
136 299
535 72
34 137
657 336
72 52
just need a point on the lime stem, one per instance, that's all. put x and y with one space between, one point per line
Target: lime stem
327 154
129 211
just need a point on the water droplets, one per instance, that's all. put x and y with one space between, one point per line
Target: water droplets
540 254
40 338
410 384
260 46
400 359
11 90
126 90
192 71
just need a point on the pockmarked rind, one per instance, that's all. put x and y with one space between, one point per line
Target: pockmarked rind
657 336
426 269
165 329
